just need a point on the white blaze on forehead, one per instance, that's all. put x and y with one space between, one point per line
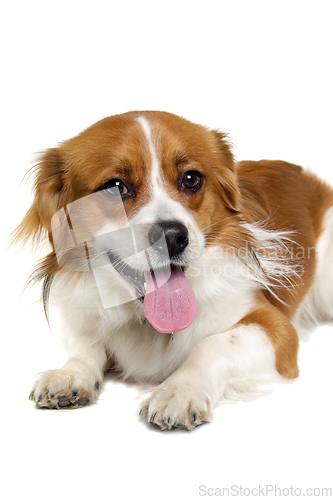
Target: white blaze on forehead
155 164
161 206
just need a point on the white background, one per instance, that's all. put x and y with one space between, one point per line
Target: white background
261 71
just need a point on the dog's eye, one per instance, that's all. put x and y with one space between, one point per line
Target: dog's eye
115 187
192 180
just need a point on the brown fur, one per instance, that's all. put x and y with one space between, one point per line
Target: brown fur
281 333
286 197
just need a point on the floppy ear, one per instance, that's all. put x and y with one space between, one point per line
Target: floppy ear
47 187
225 172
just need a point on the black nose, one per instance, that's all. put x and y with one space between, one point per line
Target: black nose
176 236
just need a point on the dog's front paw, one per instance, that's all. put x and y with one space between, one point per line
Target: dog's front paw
61 389
177 404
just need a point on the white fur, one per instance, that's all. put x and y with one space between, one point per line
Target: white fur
155 168
209 373
219 281
130 339
278 266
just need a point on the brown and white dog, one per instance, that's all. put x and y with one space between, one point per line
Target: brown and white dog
231 263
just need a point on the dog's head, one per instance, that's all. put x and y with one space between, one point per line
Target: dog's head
151 178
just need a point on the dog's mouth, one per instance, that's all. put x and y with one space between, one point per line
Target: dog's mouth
133 276
169 301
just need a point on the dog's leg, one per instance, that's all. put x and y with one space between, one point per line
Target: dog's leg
78 382
246 352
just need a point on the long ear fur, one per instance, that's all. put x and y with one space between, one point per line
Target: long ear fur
36 224
226 173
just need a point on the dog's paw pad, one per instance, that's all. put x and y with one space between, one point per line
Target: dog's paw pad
63 401
60 389
175 408
83 400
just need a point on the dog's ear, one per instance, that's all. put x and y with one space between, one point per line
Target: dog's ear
225 172
48 184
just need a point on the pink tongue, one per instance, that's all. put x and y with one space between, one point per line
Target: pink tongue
172 306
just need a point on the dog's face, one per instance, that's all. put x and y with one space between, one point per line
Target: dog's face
171 180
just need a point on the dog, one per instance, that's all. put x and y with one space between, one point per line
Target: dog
175 265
